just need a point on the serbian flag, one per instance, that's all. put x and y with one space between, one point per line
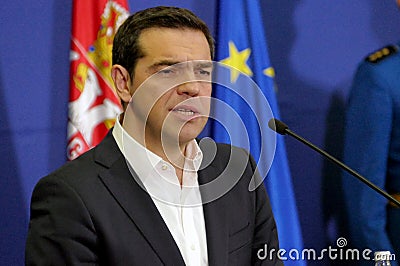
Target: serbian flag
93 104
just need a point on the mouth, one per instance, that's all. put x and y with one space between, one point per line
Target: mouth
186 112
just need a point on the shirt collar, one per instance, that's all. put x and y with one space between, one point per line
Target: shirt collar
194 156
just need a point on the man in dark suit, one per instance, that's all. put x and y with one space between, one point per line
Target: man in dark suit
149 193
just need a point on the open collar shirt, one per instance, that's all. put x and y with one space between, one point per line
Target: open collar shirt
180 206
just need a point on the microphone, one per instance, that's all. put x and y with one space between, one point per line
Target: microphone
282 129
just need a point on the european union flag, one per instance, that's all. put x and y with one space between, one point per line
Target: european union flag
242 46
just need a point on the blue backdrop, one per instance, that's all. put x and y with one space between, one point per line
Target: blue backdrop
314 46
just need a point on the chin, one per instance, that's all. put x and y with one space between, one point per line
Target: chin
183 132
185 137
190 132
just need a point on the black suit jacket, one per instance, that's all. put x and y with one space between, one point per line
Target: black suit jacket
92 212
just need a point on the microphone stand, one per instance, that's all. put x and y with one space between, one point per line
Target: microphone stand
283 129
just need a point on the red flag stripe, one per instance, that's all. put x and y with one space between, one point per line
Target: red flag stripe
93 103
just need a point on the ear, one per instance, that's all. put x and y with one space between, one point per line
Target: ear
122 82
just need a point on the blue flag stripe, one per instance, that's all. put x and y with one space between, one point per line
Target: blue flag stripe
240 25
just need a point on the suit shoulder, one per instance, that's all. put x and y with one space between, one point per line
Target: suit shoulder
222 151
71 171
382 54
228 148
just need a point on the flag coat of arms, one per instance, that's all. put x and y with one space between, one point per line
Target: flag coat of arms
242 46
93 104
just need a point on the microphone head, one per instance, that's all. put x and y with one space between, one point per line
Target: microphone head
277 126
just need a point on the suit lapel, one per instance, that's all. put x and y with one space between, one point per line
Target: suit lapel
144 214
136 202
215 220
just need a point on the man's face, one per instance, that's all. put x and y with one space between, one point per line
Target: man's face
165 96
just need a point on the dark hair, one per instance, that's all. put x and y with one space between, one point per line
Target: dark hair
126 49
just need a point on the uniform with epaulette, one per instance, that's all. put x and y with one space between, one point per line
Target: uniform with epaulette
372 147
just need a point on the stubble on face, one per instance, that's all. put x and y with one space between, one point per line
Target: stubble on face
169 104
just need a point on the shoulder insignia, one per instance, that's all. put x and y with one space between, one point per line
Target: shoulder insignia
381 54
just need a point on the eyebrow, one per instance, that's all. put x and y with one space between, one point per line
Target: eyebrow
163 63
200 63
204 64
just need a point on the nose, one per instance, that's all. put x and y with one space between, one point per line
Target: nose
191 88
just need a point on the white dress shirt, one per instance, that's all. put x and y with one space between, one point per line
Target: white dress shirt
180 206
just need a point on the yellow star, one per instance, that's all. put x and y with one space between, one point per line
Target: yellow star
237 62
269 72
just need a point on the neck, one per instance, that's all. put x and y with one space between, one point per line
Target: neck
170 152
169 148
